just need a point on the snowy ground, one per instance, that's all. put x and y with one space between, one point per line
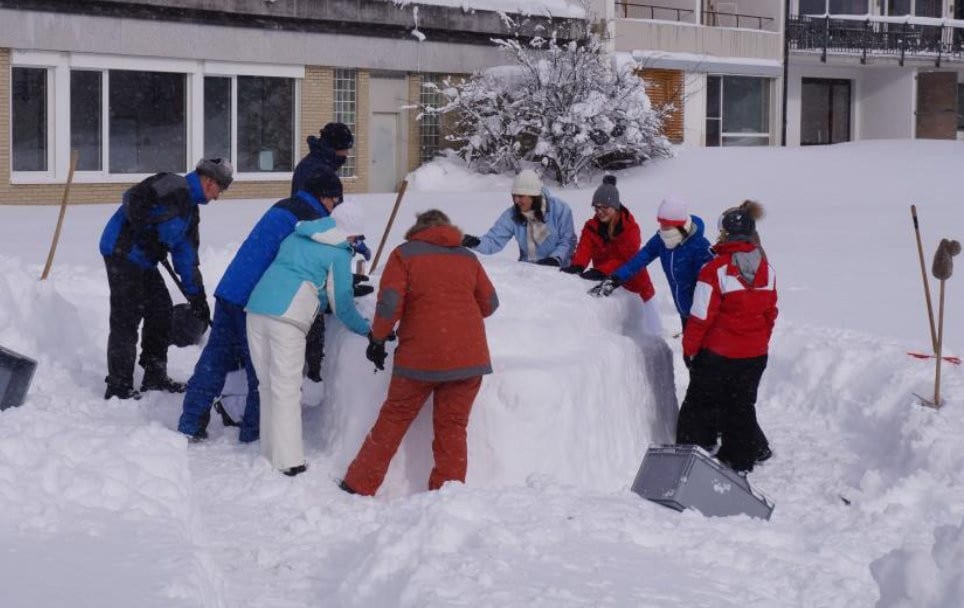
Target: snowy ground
103 504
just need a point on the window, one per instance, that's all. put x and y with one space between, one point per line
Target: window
346 91
266 110
960 107
29 119
920 8
147 122
217 117
825 111
430 127
86 108
833 7
737 111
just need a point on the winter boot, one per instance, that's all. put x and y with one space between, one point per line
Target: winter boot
295 470
197 437
763 455
121 391
344 487
158 380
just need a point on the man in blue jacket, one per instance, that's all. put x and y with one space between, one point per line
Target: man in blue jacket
160 215
227 346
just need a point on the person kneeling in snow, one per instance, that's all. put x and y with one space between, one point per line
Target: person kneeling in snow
311 271
681 248
608 240
541 224
438 293
725 344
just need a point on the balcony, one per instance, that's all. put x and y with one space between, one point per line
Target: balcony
707 29
880 37
725 14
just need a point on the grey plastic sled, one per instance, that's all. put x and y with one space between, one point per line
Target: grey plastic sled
16 372
686 477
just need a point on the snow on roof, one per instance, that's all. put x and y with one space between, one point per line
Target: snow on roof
555 8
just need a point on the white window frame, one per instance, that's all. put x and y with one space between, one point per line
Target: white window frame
351 164
58 109
759 135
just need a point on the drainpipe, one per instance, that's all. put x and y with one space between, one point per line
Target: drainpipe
786 69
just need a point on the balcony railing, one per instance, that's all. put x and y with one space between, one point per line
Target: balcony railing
717 18
865 38
635 10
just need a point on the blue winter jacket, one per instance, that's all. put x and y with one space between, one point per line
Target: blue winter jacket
681 264
311 271
177 196
559 244
320 155
260 248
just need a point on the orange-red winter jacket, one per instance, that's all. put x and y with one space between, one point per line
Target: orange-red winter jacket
607 253
438 293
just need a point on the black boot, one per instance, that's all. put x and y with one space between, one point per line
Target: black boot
121 391
157 380
344 487
295 470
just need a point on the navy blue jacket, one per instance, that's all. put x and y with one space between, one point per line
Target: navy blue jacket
320 155
260 248
681 264
171 226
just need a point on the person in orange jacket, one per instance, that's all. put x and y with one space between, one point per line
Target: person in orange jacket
438 293
609 240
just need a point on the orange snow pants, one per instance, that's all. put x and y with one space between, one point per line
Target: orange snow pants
453 403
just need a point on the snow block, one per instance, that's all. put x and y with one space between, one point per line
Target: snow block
687 477
16 372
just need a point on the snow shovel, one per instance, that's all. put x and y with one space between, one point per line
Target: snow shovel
186 329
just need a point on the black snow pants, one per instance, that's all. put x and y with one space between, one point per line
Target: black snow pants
721 399
136 294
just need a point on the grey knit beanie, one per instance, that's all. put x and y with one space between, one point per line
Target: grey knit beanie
607 195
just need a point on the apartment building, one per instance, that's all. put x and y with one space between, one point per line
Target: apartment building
140 86
870 69
719 63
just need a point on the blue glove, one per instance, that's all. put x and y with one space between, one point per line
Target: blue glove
362 249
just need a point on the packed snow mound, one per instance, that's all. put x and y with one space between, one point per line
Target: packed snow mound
578 405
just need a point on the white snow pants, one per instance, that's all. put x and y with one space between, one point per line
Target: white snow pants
278 353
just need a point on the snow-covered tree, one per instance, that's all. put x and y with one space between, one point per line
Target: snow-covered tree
568 106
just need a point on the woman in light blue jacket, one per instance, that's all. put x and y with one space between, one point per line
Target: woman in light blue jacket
541 224
311 271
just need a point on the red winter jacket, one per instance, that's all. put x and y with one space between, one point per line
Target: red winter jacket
730 316
609 253
438 293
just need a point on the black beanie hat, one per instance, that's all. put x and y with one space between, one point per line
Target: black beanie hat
338 136
324 184
607 194
738 222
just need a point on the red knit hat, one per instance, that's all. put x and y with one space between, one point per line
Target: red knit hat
672 212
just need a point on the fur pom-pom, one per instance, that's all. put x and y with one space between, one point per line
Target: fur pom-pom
754 208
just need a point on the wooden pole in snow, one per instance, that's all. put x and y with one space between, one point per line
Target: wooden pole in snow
391 220
60 219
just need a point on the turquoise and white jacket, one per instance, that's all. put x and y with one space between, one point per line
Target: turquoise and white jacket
311 271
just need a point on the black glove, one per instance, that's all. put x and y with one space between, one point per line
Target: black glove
688 361
199 306
362 290
359 278
471 241
376 352
593 274
606 288
574 269
548 262
154 250
314 372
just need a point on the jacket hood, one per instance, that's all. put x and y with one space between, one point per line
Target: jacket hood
698 227
446 236
323 231
318 147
